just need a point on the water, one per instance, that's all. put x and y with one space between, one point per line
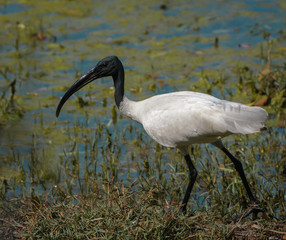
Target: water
47 45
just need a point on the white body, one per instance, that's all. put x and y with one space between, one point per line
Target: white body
182 118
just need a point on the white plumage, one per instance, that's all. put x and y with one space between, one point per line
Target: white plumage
182 118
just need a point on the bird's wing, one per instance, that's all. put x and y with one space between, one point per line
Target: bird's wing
241 118
191 117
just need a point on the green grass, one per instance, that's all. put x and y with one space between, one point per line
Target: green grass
147 207
10 109
117 212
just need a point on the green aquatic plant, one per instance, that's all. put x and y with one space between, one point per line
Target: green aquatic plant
10 103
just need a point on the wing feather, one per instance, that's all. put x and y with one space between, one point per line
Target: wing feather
183 118
243 119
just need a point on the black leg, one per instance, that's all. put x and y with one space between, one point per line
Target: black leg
192 175
239 169
255 208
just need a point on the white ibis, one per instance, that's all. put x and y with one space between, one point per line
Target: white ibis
180 119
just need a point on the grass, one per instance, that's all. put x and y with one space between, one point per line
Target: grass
147 207
10 109
117 212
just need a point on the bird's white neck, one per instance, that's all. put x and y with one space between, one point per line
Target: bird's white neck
129 108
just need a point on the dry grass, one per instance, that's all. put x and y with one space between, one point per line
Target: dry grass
118 213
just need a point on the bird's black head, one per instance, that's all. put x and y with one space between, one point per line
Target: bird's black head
109 66
106 67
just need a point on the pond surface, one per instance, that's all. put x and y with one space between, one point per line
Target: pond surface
181 45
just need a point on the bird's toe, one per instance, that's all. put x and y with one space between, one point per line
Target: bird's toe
254 209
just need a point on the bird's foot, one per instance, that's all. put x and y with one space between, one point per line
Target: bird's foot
183 210
254 209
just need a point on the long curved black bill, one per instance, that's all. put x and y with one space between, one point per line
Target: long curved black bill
84 80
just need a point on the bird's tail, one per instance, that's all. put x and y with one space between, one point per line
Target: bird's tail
244 119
